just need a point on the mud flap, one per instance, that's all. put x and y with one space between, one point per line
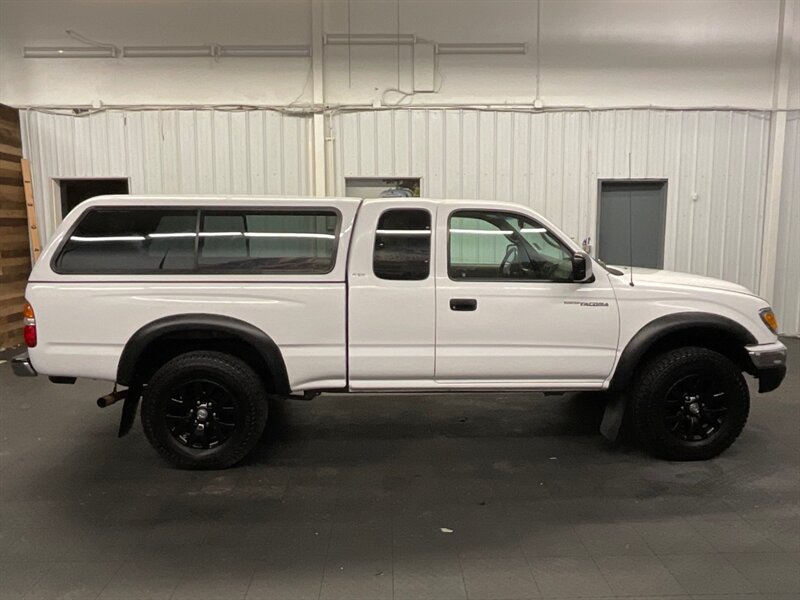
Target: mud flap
613 416
129 409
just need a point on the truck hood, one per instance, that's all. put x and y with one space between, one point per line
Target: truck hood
667 278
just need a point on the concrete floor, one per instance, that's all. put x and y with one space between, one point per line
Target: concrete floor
349 497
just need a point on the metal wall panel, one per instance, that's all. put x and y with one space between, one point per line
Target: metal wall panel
549 161
787 275
552 162
167 152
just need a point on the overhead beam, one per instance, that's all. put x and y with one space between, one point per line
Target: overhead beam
318 85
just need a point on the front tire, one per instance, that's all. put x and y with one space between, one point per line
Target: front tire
204 410
689 404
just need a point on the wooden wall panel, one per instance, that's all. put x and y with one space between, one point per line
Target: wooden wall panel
15 264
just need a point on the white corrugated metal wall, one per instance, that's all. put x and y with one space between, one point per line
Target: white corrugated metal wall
167 151
553 161
550 161
787 275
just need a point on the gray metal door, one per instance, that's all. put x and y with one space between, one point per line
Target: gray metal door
632 219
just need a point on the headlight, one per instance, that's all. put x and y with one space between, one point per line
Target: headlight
769 319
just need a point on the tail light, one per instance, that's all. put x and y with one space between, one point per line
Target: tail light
29 325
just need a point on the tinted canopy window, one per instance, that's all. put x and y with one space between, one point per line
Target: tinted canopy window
130 241
239 241
403 245
164 240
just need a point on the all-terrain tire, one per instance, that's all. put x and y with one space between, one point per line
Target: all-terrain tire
667 421
222 376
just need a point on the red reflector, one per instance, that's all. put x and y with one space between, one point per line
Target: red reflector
29 333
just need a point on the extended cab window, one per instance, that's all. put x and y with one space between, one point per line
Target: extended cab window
130 241
252 241
403 245
498 245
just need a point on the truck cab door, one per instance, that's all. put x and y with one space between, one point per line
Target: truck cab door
391 296
507 311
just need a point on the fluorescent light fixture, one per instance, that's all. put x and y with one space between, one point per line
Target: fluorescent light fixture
498 231
69 52
370 39
256 51
247 234
266 234
408 232
108 238
167 51
170 235
480 48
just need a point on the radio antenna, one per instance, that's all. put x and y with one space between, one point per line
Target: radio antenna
630 233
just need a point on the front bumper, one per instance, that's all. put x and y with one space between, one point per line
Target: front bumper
22 367
769 364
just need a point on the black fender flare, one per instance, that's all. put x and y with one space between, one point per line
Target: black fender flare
203 326
660 328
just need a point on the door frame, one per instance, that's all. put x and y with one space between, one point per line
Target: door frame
422 190
601 181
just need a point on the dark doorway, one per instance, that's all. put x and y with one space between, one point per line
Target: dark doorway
631 223
75 191
383 187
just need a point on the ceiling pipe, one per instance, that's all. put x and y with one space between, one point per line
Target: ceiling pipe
167 51
482 48
370 39
206 51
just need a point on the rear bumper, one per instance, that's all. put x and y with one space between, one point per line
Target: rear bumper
22 367
769 364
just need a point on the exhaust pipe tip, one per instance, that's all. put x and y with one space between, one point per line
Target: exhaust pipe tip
112 398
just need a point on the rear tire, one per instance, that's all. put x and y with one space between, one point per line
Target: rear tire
204 410
689 404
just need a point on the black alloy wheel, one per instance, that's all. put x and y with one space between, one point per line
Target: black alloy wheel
202 414
695 407
689 403
204 410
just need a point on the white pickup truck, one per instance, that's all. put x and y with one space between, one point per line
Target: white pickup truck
204 307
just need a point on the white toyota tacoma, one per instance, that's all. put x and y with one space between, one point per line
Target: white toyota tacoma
204 307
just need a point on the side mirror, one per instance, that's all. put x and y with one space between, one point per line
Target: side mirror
581 268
